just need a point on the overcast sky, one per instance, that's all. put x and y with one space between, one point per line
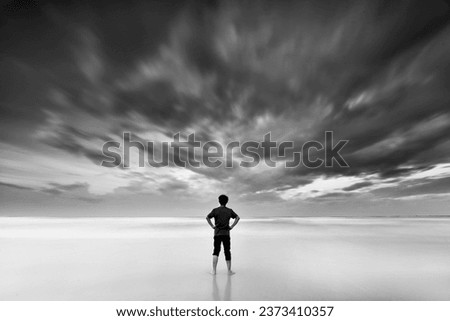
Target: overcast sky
75 75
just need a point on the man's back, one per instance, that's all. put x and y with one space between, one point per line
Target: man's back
222 216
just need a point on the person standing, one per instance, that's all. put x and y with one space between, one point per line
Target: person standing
222 228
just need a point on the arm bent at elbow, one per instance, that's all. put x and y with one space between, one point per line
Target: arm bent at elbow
236 220
209 222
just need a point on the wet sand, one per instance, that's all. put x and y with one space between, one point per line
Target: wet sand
274 259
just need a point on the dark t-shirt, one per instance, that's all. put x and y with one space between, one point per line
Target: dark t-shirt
222 217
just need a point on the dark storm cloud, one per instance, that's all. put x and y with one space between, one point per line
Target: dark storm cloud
173 186
91 200
375 73
357 186
333 196
65 140
15 186
57 189
75 191
258 198
439 186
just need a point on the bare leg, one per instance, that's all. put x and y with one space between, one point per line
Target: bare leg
229 267
215 260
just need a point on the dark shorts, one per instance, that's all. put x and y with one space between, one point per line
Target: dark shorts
225 239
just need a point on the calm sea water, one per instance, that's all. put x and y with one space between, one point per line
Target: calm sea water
275 259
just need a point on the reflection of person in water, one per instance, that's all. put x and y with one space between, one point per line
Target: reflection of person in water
222 228
226 293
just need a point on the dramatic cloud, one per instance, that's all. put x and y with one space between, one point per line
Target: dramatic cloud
375 73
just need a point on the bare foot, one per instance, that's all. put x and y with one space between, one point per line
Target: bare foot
231 272
212 273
